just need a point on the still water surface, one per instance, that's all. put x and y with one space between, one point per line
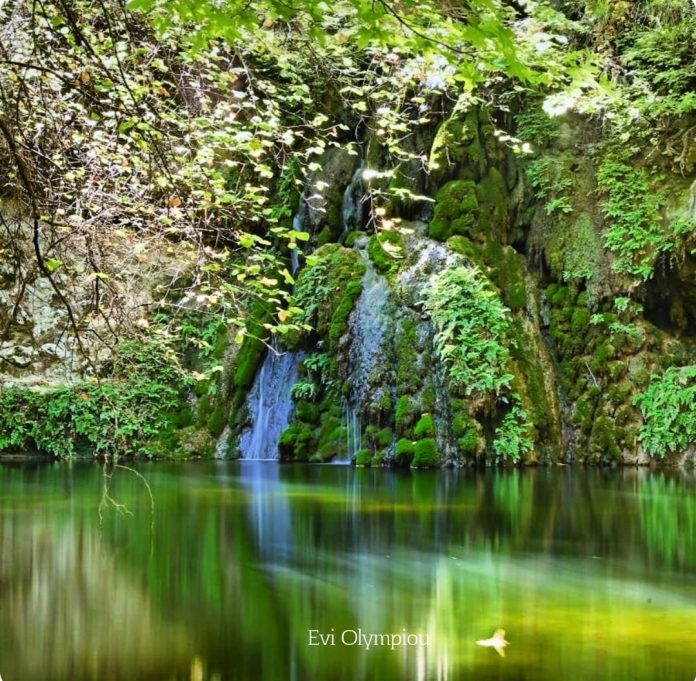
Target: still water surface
591 573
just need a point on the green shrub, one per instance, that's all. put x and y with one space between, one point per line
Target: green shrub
513 437
130 413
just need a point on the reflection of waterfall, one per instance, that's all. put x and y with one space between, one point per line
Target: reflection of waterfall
269 510
352 208
270 404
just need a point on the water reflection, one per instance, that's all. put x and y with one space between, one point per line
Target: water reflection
592 573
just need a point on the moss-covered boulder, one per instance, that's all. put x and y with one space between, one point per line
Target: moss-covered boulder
425 454
456 210
404 451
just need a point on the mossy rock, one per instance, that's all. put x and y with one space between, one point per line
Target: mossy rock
339 319
384 437
508 270
575 252
583 414
308 412
466 430
297 443
425 454
407 380
428 398
324 237
386 250
352 237
403 453
457 149
253 349
204 409
456 210
425 427
470 443
378 437
405 414
604 441
331 450
379 458
493 206
363 458
580 321
464 246
216 421
196 442
222 341
327 289
333 438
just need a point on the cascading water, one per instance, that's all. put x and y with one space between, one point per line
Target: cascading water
270 404
353 430
352 207
270 398
299 224
369 325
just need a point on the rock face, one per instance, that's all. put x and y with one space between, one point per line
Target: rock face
505 327
507 319
38 346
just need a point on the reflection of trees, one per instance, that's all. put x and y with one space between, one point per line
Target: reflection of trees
236 572
69 613
668 518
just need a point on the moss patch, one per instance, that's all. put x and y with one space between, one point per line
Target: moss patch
425 454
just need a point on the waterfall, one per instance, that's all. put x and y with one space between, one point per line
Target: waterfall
270 404
369 326
354 430
299 224
369 323
352 207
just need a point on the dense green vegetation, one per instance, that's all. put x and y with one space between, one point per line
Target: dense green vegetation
473 227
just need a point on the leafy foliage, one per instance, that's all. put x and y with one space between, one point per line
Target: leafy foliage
552 183
668 406
475 38
304 390
513 437
473 338
123 415
635 231
473 330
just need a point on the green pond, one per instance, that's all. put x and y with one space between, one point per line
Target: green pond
229 570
